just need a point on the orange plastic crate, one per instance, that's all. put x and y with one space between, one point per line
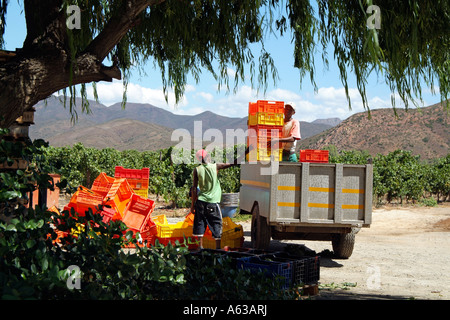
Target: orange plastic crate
121 172
189 219
118 196
260 135
266 106
138 184
320 156
102 184
85 199
138 213
107 214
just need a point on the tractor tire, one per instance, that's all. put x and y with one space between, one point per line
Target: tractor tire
343 244
260 233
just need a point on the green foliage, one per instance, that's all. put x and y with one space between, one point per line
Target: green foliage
401 176
33 267
16 185
406 50
410 47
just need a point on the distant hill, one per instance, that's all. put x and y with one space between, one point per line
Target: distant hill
141 126
120 134
330 121
424 132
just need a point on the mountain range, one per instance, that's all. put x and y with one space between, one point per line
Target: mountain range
424 132
137 126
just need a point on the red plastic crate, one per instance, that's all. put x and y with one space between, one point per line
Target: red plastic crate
121 172
320 156
107 214
102 184
138 212
265 106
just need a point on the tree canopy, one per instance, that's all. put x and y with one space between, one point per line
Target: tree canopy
410 46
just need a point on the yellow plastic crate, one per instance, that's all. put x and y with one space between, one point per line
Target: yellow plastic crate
166 230
232 235
266 118
264 155
232 243
142 192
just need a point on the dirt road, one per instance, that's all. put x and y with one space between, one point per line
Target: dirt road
404 254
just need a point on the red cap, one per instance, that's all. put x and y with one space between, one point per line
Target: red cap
201 154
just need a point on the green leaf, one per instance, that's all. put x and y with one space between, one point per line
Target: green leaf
30 243
44 263
11 227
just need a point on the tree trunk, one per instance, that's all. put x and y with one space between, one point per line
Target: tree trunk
24 81
43 66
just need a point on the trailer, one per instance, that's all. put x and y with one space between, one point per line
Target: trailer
307 201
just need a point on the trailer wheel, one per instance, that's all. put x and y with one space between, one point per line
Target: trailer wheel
260 234
343 244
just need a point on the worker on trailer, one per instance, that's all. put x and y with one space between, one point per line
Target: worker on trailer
290 134
205 204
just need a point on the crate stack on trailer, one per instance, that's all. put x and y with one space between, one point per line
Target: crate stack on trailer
265 122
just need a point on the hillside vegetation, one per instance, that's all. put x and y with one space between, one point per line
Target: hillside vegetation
425 132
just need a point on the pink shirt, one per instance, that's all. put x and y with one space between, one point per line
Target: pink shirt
291 128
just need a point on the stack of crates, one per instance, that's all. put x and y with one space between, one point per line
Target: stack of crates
282 269
137 178
265 122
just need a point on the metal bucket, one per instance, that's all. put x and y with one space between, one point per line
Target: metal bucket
229 204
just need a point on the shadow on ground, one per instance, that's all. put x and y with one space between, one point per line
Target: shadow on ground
327 260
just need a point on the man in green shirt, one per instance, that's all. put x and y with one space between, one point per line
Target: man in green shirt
205 204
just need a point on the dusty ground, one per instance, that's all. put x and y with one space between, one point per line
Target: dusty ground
405 254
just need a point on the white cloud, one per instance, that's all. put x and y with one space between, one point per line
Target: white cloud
206 96
110 93
328 102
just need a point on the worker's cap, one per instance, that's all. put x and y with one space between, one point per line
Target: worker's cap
201 154
290 104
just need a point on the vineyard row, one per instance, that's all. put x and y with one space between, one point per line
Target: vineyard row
398 176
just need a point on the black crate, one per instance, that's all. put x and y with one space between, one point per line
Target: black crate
306 270
270 268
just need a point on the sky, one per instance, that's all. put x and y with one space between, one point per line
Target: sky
328 102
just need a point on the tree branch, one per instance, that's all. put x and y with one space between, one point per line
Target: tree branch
117 27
